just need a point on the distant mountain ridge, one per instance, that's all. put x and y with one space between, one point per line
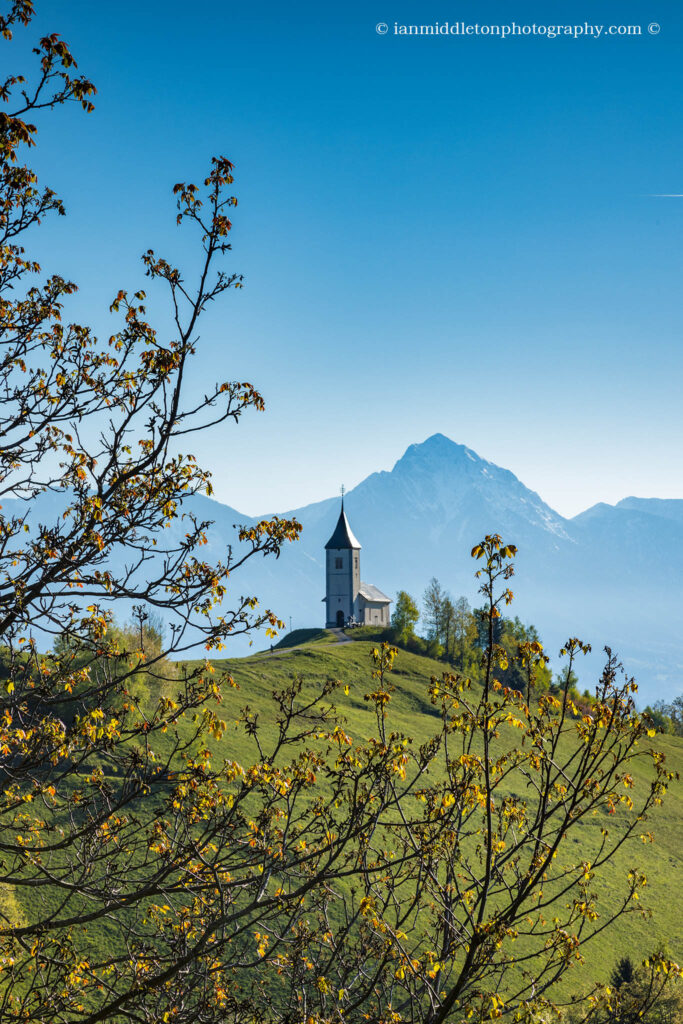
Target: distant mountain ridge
611 575
665 508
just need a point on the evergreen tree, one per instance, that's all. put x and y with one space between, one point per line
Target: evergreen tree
447 630
465 633
433 600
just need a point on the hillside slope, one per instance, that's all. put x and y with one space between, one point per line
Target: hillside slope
413 714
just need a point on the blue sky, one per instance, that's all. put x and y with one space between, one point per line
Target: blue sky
437 234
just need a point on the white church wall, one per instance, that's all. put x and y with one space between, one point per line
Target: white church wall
340 584
372 613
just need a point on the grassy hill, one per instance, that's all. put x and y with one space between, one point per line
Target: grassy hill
320 657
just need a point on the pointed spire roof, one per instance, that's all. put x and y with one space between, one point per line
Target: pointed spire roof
343 536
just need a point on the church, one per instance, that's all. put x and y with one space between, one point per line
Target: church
349 601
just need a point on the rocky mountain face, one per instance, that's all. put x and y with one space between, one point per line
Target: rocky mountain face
611 575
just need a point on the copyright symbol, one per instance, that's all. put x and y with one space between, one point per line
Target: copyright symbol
381 28
653 28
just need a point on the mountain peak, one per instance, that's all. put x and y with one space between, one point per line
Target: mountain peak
441 479
437 440
437 447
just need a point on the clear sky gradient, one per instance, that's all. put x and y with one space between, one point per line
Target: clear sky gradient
437 234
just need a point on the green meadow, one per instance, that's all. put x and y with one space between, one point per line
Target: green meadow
318 657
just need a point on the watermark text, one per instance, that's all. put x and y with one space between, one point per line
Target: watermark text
514 30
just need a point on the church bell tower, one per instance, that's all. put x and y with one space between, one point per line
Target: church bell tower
342 554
